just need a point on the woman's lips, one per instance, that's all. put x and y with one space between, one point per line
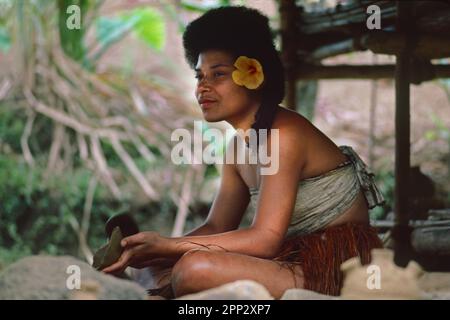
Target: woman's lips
207 104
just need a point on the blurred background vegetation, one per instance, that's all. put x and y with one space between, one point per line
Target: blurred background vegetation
79 145
86 117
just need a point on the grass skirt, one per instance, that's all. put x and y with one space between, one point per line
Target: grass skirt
320 254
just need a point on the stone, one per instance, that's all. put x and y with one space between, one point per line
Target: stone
436 285
89 290
46 277
381 279
303 294
237 290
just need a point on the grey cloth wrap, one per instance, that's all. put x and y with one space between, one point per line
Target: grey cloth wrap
321 199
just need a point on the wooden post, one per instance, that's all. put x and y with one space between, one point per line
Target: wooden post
288 29
401 232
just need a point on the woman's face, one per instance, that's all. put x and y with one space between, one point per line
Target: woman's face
217 94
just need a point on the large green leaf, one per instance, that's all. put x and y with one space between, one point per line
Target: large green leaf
149 26
203 7
5 40
147 23
110 30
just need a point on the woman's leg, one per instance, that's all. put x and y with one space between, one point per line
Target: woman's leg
155 276
204 269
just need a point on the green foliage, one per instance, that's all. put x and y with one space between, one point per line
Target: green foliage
36 209
12 124
35 213
12 254
5 40
5 11
386 182
147 23
440 131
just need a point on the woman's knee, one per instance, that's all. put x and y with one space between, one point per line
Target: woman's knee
192 271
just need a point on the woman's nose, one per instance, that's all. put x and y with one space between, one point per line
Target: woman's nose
203 86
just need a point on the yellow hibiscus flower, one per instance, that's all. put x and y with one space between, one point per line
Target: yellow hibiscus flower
249 72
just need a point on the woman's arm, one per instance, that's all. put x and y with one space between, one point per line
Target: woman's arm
252 241
229 204
144 248
277 197
263 239
201 230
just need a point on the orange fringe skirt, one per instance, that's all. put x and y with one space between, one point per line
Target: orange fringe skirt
320 254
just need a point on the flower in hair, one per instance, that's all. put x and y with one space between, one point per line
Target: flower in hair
249 72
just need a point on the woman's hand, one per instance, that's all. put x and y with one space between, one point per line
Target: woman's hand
141 250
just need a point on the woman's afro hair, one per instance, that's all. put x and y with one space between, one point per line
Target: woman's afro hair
238 30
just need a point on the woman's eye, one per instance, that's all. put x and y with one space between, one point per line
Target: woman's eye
216 74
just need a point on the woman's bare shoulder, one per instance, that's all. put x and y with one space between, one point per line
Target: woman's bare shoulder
290 119
292 124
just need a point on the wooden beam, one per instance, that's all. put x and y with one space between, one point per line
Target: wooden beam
343 16
427 46
310 72
437 22
429 17
349 21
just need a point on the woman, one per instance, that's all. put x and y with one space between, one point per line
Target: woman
310 216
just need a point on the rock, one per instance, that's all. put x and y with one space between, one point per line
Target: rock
46 277
381 279
436 285
302 294
238 290
89 290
